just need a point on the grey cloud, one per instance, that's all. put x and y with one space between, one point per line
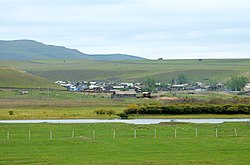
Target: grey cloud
144 27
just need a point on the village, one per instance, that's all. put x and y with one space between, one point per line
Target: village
144 90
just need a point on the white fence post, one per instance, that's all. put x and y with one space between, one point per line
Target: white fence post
8 135
134 133
51 135
235 131
73 133
175 133
29 134
155 133
114 134
216 132
196 132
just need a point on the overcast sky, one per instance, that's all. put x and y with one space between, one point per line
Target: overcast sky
171 29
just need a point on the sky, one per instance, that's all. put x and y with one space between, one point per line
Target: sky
168 29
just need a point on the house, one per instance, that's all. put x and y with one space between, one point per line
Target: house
123 94
247 87
93 83
82 87
179 87
92 87
24 92
137 89
146 94
95 88
127 85
118 87
200 89
72 88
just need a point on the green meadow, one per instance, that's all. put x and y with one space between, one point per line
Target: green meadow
51 104
12 77
166 143
115 143
206 70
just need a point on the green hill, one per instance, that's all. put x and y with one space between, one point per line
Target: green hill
206 70
32 50
11 77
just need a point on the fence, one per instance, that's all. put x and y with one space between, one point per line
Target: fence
138 133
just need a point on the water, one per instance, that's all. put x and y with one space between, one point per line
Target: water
128 121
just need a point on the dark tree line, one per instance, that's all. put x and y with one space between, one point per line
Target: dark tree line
191 109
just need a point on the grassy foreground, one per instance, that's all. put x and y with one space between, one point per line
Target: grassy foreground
117 144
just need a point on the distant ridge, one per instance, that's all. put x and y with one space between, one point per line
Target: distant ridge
33 50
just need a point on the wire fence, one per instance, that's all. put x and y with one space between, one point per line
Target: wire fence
139 133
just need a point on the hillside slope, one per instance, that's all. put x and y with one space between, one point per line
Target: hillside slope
219 70
32 50
11 77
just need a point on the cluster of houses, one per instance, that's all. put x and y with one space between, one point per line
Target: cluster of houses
100 87
106 87
118 90
199 86
132 89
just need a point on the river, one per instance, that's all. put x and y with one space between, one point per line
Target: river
128 121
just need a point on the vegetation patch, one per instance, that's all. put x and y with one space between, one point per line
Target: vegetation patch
104 112
190 109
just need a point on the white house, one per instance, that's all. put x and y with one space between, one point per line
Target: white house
247 87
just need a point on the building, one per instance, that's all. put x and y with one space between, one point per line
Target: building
146 94
179 87
123 94
247 87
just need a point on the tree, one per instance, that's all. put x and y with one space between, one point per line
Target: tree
237 83
150 82
213 85
88 84
173 82
182 79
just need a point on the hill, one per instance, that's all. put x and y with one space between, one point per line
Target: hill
32 50
11 77
208 70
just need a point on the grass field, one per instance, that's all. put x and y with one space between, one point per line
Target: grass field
98 144
126 144
39 104
11 77
59 104
205 70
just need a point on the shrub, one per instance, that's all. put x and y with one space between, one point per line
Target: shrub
122 115
104 112
11 112
133 106
191 109
132 109
232 110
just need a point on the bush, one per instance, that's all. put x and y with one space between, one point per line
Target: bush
191 109
123 115
104 112
133 106
11 112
